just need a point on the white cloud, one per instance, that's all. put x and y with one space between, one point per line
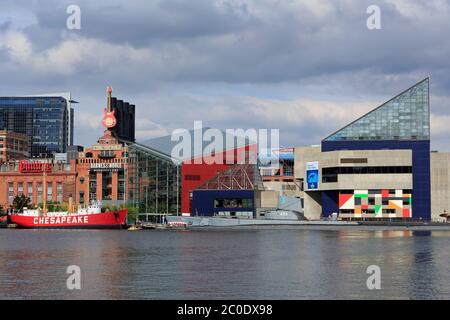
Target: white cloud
422 10
89 120
17 45
147 129
303 111
68 56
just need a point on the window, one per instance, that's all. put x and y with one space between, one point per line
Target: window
354 160
30 190
405 117
20 188
233 203
10 192
40 192
331 174
49 191
59 194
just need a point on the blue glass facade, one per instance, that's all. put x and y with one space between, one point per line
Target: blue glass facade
47 121
401 123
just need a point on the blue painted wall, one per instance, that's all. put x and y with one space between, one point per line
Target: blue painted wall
203 200
421 196
330 202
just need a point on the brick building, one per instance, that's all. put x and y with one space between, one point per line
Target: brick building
102 171
13 146
27 177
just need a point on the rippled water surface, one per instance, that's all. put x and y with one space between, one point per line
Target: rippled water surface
234 264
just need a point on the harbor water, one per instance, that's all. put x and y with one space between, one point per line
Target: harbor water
283 263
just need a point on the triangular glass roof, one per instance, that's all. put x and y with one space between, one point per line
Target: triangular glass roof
237 177
404 117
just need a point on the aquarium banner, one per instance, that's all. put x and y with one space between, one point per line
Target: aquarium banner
312 175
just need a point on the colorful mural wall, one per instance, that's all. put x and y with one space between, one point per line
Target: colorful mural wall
383 203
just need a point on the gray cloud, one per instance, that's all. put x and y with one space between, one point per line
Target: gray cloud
224 62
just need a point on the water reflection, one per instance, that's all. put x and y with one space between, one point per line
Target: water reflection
423 271
260 264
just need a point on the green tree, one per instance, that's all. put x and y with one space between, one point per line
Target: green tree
2 212
21 202
133 212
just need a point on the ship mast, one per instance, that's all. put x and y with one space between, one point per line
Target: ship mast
44 190
109 97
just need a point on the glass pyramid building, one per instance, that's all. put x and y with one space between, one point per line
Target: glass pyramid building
404 117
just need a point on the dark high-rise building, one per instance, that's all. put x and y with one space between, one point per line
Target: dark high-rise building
47 120
125 115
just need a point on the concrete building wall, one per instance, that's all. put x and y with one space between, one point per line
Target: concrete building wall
313 207
269 198
440 184
374 158
284 187
302 156
318 201
370 181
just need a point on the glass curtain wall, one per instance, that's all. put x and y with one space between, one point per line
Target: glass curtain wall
153 180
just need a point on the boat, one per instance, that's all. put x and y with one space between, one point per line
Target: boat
3 221
270 220
84 217
148 225
134 228
175 225
90 217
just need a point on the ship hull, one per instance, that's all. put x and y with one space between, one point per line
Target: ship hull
106 220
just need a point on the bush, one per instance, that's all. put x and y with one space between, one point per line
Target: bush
21 202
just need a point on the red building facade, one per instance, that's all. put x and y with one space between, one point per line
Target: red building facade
197 171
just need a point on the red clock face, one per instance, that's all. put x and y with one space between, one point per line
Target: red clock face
109 120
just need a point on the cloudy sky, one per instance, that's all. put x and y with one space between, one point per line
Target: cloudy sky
306 67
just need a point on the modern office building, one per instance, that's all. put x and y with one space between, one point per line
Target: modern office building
13 146
376 167
47 121
125 115
73 152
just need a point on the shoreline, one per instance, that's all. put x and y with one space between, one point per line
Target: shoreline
327 227
311 225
